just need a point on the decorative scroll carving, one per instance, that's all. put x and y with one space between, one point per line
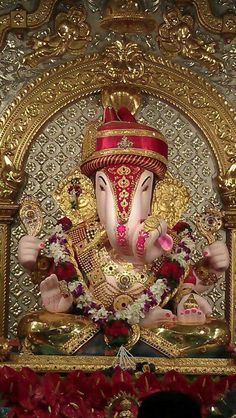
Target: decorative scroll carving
125 62
225 25
71 35
176 37
21 19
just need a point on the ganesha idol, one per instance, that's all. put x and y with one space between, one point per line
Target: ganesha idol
119 269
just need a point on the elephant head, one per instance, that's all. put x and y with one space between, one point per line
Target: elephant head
128 159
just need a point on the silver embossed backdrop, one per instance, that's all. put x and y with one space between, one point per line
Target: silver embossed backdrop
57 150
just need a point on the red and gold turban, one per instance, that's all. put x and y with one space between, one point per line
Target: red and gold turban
122 140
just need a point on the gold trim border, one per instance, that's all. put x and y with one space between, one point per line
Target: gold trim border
65 364
129 151
131 132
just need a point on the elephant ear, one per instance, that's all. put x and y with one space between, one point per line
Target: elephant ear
170 200
76 198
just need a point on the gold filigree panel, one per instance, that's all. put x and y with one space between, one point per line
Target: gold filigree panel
54 153
58 149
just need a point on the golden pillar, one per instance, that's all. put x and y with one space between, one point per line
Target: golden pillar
7 212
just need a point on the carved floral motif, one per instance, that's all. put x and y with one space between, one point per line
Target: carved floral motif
125 62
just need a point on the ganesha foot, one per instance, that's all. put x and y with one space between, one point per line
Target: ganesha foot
157 316
193 316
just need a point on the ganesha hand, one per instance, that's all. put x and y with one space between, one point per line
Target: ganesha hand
149 245
54 297
28 251
217 257
157 316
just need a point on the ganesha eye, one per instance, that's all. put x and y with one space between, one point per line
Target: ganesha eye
102 188
146 183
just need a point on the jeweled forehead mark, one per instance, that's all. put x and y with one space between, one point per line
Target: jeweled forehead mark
124 181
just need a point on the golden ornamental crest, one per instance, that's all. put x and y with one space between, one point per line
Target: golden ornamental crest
125 62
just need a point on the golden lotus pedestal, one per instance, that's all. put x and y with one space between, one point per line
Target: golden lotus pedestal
66 334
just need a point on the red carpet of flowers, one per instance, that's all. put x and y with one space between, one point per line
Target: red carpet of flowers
80 395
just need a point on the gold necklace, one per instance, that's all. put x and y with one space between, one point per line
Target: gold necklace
124 279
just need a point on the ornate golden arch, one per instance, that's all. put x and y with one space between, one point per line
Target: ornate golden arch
120 65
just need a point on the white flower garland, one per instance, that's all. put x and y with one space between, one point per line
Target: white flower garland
184 249
131 314
57 246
